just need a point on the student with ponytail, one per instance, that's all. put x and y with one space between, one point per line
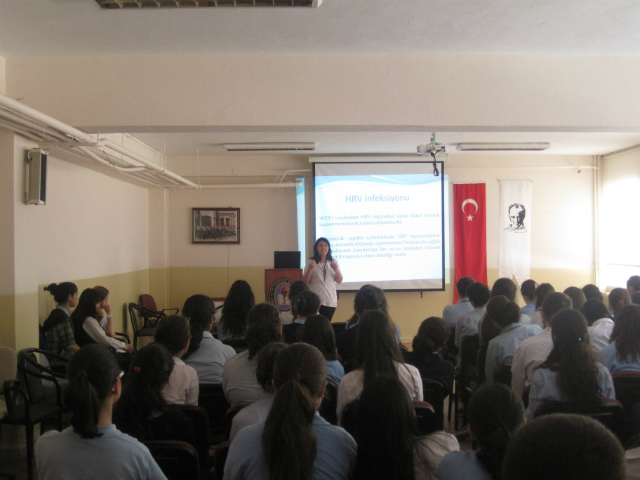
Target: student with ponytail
57 327
294 443
93 447
495 415
305 304
570 373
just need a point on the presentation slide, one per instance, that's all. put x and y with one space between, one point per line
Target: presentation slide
384 222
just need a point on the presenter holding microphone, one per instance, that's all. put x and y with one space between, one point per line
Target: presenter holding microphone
322 274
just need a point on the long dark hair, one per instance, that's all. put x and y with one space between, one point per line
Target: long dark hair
142 397
577 297
239 301
173 333
306 303
542 291
626 334
618 298
317 331
386 431
316 255
495 414
62 291
369 297
593 310
377 351
573 358
263 327
432 334
199 309
86 308
502 311
92 371
504 286
288 441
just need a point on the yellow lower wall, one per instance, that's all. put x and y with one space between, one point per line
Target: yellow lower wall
7 325
407 309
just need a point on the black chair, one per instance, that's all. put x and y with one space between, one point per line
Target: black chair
329 403
137 330
212 399
229 416
434 392
200 423
338 327
36 406
610 413
177 460
238 344
468 374
219 460
152 314
349 417
627 387
427 418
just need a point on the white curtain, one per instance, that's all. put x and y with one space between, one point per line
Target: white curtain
515 230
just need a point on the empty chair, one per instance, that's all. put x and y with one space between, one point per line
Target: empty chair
427 419
136 328
200 424
212 399
177 460
434 393
151 313
627 387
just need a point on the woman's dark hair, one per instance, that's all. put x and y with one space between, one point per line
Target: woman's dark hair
505 286
61 291
386 431
573 358
295 289
591 291
142 397
502 311
542 291
495 414
317 331
316 255
199 310
618 298
173 333
594 310
432 334
577 297
263 327
239 301
370 297
104 293
306 303
92 371
626 334
86 308
288 441
377 351
265 363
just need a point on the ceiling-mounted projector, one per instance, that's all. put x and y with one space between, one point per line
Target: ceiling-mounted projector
431 148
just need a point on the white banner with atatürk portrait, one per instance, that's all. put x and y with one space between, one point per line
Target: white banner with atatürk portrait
515 230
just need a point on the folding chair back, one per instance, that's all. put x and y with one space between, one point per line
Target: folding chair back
177 460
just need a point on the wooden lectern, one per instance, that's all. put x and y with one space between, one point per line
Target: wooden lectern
277 282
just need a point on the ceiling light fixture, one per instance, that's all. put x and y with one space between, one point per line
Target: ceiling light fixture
270 147
123 4
490 147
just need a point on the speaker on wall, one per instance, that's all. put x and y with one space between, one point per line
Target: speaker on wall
36 177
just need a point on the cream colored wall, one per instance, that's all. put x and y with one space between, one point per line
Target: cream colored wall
464 91
3 83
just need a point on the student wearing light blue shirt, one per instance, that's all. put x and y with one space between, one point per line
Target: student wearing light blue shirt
451 313
623 353
568 373
528 290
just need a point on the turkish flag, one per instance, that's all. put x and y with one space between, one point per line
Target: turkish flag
470 234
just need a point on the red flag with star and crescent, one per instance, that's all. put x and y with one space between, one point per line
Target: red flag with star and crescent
470 232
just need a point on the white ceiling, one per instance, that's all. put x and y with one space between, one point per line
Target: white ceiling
79 27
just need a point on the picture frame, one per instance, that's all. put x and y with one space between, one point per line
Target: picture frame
215 225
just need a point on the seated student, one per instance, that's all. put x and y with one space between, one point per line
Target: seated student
528 290
306 304
57 327
564 447
451 313
577 297
591 291
317 331
495 415
258 412
623 353
87 329
287 317
636 298
600 323
206 355
93 447
233 324
377 353
633 285
142 411
367 298
618 298
542 291
389 443
570 373
508 288
427 350
239 376
294 442
174 334
489 331
534 351
501 350
105 320
479 295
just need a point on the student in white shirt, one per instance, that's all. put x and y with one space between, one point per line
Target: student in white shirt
623 353
479 295
451 313
174 334
600 323
534 351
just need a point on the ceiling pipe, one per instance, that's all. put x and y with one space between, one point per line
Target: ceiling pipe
253 185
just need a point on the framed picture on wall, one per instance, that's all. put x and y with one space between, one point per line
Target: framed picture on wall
215 225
